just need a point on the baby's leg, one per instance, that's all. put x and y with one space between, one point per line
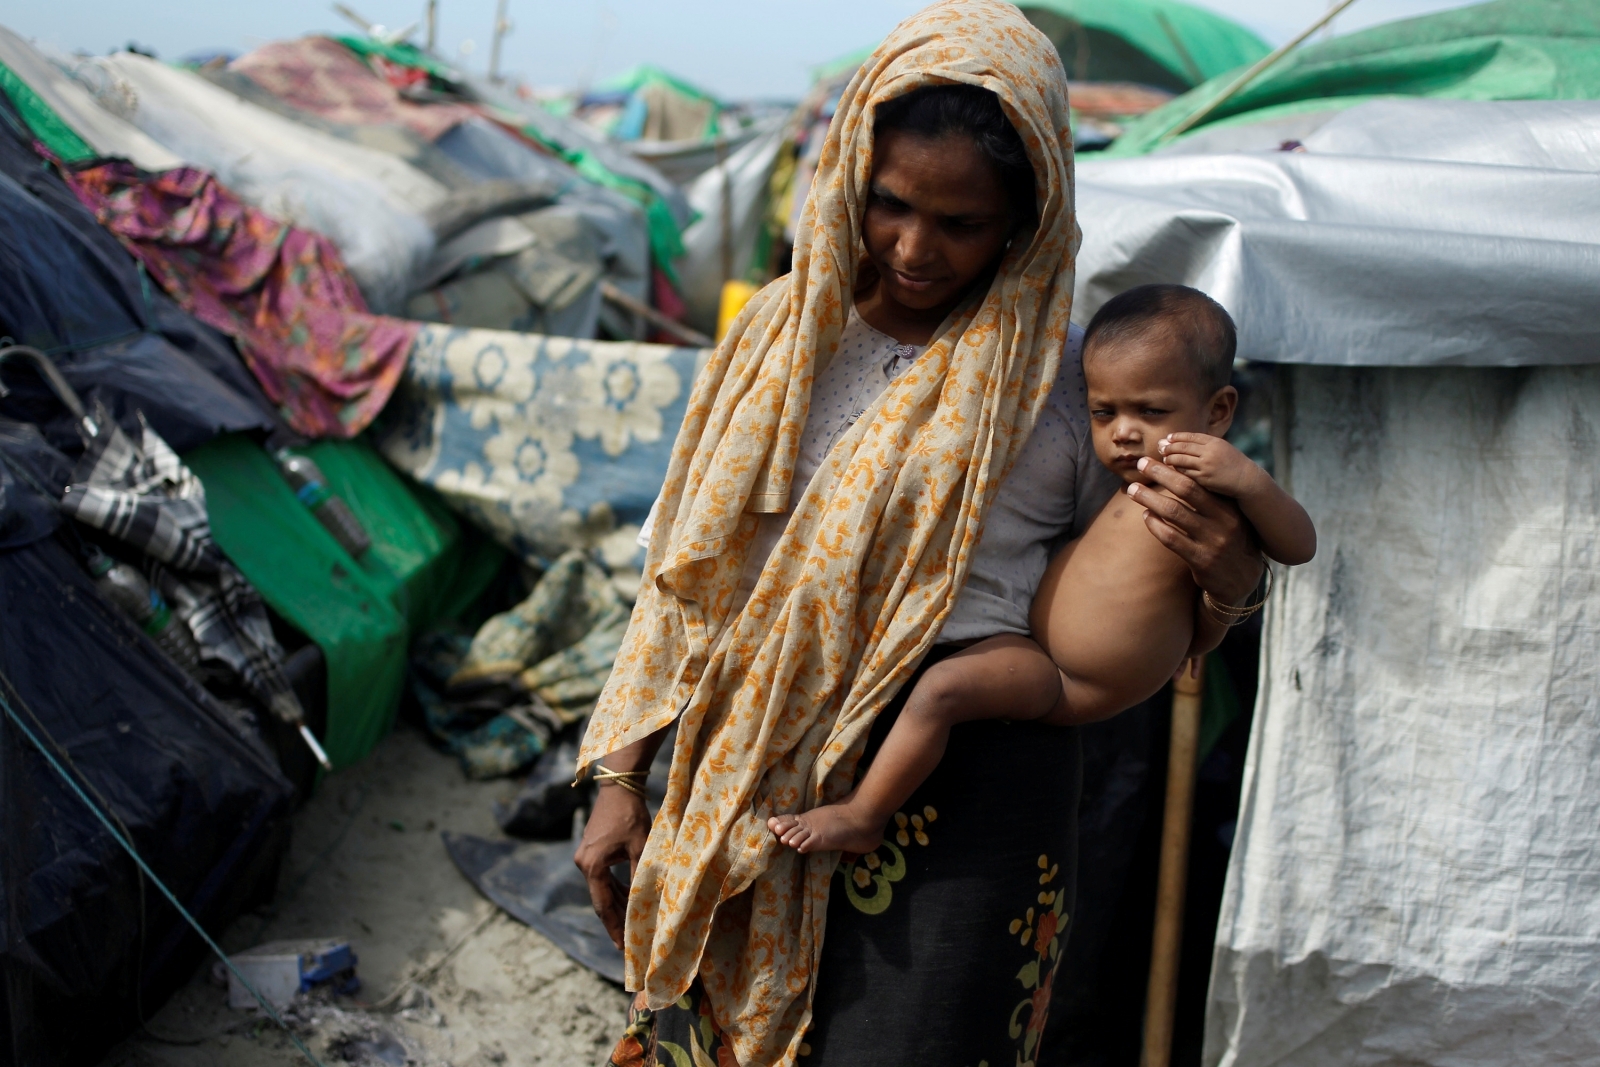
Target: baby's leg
1006 677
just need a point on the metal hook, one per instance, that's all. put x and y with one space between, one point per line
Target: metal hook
58 384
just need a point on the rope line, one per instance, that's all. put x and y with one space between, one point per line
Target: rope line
127 846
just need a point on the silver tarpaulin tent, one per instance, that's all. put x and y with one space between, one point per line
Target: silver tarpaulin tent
1416 873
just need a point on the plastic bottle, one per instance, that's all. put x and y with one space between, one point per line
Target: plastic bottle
306 479
127 589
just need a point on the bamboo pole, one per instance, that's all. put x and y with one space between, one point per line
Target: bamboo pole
1167 940
686 334
502 26
1254 72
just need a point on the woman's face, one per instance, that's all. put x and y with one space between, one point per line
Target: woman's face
937 218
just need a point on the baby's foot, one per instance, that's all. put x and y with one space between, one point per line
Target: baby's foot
832 827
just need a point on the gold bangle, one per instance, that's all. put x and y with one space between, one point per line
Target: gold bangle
1232 616
632 781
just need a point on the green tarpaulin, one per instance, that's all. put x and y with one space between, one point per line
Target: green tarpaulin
1152 42
423 567
1505 50
636 78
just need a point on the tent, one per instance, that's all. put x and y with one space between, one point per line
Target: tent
1503 50
648 104
1162 43
82 934
588 152
1411 879
731 200
73 291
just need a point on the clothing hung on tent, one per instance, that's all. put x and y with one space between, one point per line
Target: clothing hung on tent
324 77
281 292
372 205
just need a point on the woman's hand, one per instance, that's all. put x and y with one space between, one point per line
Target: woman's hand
1207 532
618 827
617 830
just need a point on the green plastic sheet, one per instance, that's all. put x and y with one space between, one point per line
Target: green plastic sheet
1155 42
46 125
1505 50
423 567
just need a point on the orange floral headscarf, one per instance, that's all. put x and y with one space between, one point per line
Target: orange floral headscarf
774 703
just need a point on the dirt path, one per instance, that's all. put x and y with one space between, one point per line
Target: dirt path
367 863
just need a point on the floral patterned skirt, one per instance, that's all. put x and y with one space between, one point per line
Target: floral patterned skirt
942 945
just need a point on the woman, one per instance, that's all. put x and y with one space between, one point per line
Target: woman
777 636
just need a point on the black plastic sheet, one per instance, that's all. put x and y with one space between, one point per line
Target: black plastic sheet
85 945
68 288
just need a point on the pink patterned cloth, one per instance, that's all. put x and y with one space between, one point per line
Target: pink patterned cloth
325 78
282 293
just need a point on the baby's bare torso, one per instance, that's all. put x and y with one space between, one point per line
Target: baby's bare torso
1116 608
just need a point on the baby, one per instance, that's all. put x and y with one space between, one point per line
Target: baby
1117 613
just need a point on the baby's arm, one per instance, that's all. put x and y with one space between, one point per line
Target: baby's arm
1282 524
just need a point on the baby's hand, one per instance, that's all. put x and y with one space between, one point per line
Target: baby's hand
1211 461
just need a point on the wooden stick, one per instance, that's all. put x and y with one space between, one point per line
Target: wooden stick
1250 75
1166 947
686 334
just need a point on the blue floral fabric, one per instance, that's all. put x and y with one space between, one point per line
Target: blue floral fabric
548 443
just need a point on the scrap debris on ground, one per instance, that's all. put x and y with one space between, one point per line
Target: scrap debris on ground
446 978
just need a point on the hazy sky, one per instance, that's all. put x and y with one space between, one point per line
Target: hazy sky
736 48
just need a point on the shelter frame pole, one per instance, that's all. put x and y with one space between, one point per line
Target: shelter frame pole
1254 72
431 18
502 26
1166 942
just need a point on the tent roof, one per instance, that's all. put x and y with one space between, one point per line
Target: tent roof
1162 42
1504 50
1189 43
1400 233
636 78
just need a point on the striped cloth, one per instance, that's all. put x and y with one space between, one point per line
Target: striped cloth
142 495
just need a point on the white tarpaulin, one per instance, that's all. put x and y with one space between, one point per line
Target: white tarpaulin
1416 232
369 203
1416 874
1415 878
734 191
104 132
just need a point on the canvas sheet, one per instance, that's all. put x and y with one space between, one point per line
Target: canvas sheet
1413 233
548 443
369 203
1416 874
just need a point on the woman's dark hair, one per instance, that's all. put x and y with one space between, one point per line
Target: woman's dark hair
935 111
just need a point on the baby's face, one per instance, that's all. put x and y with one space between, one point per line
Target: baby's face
1141 390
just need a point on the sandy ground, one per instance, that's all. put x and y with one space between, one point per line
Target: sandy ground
367 863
